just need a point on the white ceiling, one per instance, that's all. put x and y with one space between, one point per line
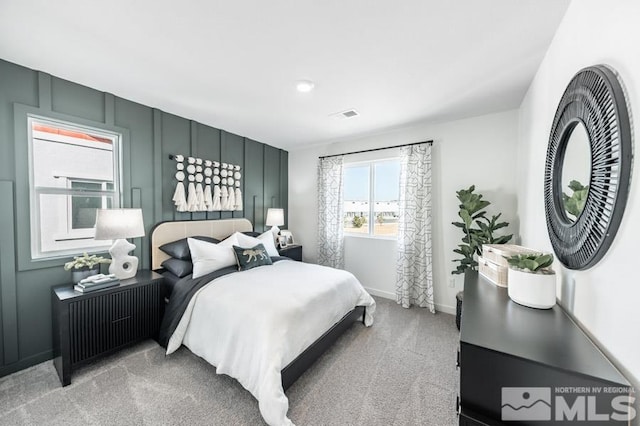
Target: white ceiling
234 64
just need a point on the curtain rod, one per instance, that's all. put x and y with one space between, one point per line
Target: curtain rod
376 149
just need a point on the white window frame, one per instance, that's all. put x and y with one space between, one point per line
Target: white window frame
372 174
35 193
85 233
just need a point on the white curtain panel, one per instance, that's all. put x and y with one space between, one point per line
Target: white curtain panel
414 282
330 213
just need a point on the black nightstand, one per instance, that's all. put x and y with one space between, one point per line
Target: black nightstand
293 251
89 325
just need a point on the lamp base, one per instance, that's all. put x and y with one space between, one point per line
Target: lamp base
123 265
275 231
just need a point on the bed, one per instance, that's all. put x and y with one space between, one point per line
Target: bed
264 326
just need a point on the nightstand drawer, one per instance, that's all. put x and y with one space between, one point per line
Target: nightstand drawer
108 321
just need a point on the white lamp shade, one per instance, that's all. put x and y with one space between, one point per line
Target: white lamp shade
275 217
113 224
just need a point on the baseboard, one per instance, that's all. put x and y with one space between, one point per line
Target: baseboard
381 293
392 296
446 309
5 370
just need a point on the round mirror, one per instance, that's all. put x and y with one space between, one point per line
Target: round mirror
588 167
576 172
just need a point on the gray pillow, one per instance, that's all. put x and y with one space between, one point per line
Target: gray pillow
251 257
179 268
180 249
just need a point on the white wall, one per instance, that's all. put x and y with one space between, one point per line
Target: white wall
480 151
604 298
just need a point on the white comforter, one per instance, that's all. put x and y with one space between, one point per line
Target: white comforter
252 324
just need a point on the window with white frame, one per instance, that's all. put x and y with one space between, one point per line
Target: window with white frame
73 171
371 196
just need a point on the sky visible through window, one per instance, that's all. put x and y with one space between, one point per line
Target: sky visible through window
356 182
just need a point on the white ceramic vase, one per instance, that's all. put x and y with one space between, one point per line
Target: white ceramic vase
534 290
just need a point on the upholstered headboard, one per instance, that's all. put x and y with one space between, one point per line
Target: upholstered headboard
166 232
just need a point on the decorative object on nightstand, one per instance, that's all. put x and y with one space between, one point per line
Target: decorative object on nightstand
493 263
118 224
275 218
288 236
89 325
96 282
84 266
292 251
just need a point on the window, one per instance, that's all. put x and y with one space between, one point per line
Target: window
371 195
73 171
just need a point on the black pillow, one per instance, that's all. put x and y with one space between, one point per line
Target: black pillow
248 258
180 249
179 268
253 234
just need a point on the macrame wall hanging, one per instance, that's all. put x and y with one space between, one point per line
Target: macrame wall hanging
225 179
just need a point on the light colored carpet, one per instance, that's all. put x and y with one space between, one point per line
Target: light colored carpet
401 371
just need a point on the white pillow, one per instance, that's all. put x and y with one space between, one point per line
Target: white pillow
208 257
266 239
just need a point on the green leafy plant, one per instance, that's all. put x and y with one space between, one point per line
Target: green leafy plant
574 204
358 221
539 263
477 229
85 261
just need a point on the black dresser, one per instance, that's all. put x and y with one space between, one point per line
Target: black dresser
522 366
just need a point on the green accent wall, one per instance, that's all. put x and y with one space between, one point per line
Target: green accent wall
149 136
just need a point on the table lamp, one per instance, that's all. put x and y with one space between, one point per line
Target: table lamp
118 224
275 218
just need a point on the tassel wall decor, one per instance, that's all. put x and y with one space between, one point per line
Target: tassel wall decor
179 196
212 185
224 198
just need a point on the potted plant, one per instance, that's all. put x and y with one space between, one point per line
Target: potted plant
532 282
84 266
478 229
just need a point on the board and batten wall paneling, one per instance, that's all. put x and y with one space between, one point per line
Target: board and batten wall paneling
254 183
139 120
8 308
284 186
141 250
149 134
76 100
193 133
232 152
271 179
176 139
15 86
208 147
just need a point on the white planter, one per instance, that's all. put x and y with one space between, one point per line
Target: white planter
532 290
79 274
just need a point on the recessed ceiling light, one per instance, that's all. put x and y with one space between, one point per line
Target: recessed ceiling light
305 86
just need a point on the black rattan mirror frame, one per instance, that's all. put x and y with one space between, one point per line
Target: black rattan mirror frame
594 97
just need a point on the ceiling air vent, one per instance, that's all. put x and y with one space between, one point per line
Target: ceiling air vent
350 113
